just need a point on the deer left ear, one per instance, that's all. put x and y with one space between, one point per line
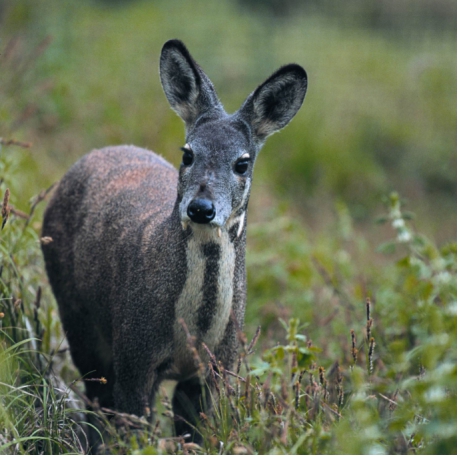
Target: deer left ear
276 101
186 86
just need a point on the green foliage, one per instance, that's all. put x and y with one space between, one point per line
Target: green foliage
331 371
36 410
400 379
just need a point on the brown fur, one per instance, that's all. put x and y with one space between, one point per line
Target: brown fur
129 259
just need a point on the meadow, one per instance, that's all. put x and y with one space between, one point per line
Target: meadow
349 345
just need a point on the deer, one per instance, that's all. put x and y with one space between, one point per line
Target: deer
143 255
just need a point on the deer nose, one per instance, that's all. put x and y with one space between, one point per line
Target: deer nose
201 210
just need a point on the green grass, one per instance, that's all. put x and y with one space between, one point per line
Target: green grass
379 115
303 388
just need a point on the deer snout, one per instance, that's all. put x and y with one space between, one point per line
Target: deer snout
201 210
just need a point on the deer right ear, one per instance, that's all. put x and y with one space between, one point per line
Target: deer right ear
187 88
276 101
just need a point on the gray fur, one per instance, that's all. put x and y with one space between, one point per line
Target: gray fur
127 263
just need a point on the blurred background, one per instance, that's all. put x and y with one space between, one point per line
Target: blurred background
380 113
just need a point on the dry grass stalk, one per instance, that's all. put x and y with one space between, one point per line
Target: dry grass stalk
354 350
254 340
371 355
301 375
266 389
206 420
191 341
284 433
101 380
18 213
321 373
325 391
213 377
340 392
271 403
15 142
156 430
311 378
126 419
233 374
5 207
324 384
368 329
368 309
222 374
38 199
239 365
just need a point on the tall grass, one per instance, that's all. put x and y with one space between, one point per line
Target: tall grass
37 412
360 376
35 415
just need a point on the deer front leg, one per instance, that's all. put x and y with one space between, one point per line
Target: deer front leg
133 390
189 400
138 364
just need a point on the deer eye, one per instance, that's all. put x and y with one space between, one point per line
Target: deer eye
188 156
241 166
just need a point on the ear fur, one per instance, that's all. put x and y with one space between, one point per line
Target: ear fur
276 101
187 88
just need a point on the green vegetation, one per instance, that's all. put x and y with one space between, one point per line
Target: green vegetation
357 347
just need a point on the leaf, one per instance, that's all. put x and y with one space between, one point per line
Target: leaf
387 247
404 262
381 220
304 360
284 324
261 369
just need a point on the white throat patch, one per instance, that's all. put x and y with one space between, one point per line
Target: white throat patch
191 298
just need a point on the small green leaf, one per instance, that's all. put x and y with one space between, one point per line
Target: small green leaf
387 247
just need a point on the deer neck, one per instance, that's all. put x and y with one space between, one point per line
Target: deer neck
205 302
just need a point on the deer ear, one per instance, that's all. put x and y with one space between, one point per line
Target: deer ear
276 101
186 86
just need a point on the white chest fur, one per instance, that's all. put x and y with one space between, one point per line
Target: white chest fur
193 303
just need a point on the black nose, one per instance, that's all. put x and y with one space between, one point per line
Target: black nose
201 210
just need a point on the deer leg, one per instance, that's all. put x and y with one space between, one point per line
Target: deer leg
190 398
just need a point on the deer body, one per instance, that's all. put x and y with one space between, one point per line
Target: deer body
139 249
